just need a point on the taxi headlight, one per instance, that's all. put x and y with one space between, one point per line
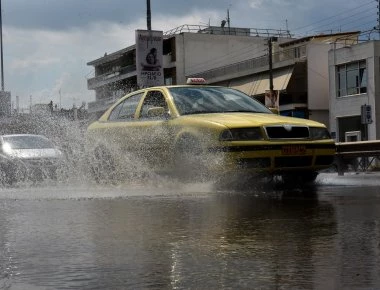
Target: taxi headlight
317 133
241 134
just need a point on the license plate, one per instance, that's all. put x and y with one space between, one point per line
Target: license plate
293 150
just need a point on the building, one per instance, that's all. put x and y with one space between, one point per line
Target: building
299 71
233 57
187 50
354 77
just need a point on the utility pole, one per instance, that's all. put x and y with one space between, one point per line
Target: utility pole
228 21
148 15
270 65
30 104
378 17
272 94
60 99
1 49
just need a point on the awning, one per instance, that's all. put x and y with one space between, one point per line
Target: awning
259 83
244 84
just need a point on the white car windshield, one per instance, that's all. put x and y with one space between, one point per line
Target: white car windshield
27 142
199 100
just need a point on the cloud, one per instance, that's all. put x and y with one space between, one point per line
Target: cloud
32 64
47 44
255 4
41 62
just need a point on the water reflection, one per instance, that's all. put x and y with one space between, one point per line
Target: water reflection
150 237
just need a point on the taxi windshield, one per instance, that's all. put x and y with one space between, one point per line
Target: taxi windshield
201 100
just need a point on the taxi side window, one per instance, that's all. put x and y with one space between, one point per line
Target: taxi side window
153 99
126 110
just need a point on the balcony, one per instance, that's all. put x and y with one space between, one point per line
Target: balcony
111 77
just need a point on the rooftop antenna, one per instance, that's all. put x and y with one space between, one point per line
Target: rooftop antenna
287 27
1 49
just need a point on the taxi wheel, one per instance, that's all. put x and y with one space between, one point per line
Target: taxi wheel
102 165
188 159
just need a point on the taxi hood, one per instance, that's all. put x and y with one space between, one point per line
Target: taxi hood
242 120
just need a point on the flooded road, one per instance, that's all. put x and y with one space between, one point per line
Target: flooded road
163 235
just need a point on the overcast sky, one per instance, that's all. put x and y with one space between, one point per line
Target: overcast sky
48 43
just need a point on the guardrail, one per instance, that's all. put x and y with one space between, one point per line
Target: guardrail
361 155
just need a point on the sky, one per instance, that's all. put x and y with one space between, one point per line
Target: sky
48 43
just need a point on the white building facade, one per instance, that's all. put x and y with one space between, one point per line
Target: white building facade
354 77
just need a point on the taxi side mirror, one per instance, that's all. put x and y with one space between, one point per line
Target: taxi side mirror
156 112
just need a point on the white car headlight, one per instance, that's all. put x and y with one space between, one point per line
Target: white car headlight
7 148
317 133
241 134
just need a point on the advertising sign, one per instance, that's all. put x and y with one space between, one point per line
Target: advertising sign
272 99
149 58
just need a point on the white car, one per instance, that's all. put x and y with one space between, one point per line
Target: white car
28 156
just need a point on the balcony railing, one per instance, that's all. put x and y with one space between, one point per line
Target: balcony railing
110 77
228 30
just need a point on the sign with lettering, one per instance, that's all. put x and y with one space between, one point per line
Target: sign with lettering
149 58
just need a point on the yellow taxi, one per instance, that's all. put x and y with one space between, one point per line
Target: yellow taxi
198 129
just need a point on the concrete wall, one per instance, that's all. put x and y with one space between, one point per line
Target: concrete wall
317 82
196 52
351 105
317 76
321 116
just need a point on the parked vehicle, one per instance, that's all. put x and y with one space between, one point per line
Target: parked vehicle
28 156
195 129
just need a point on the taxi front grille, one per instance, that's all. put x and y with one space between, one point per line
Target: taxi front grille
287 132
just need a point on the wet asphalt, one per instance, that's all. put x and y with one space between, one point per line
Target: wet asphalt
160 234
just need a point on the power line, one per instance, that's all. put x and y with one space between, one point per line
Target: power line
350 16
333 16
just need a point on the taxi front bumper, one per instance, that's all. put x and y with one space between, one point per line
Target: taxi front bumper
273 158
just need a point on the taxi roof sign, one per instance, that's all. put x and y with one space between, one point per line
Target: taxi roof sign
196 81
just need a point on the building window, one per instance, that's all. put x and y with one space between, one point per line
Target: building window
352 78
168 81
297 52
